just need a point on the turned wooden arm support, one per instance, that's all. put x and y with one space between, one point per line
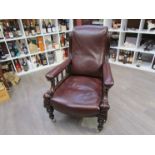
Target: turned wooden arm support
56 75
108 82
57 69
107 76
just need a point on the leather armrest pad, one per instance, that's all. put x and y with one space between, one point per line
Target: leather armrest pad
107 75
57 69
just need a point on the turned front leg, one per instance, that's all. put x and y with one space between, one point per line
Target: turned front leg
47 104
104 107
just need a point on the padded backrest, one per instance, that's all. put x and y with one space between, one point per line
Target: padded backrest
89 45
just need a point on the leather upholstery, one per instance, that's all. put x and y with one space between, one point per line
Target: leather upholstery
88 49
85 91
107 75
57 69
78 95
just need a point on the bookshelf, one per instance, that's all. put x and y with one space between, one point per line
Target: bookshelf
51 48
138 32
54 51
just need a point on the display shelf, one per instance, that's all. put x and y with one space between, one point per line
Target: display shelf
130 31
147 32
126 48
11 28
140 49
114 30
144 65
38 69
65 31
97 22
7 59
52 33
143 68
13 39
2 40
65 25
52 42
52 50
20 56
139 31
49 26
64 47
58 27
31 27
33 36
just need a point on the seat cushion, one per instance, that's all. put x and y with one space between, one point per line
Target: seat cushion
79 96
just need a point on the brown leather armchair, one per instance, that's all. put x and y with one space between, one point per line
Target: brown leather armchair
83 90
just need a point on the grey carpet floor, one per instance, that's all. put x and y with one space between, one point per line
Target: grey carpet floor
132 101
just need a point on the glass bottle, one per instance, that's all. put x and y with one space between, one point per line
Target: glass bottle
25 65
62 40
1 31
44 27
24 48
18 66
49 27
139 59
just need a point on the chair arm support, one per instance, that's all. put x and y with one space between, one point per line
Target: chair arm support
107 76
57 69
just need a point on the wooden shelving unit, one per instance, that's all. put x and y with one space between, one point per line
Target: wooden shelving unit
54 49
138 32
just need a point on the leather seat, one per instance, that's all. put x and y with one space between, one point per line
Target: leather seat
79 85
78 95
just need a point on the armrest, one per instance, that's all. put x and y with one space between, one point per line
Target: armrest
57 69
107 75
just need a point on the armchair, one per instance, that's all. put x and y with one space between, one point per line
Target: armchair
79 86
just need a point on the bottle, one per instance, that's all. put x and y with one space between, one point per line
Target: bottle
29 27
65 53
10 46
13 29
6 34
18 66
113 55
24 48
62 40
67 24
125 57
128 56
38 60
19 34
43 59
131 57
44 27
153 65
30 65
53 28
49 27
121 56
37 28
3 56
139 59
63 25
32 28
51 57
1 31
40 43
25 65
26 28
15 48
10 34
